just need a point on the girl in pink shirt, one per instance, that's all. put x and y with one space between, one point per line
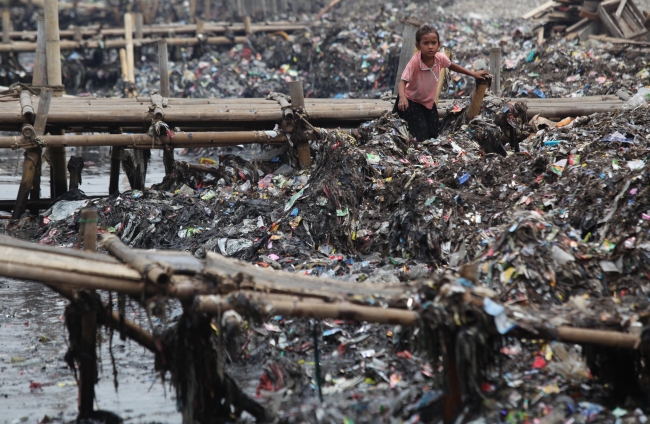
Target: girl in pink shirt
419 83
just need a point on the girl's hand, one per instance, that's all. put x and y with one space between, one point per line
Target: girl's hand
403 104
481 74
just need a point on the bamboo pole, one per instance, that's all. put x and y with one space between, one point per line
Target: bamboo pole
161 30
477 97
192 11
163 68
116 156
495 70
124 66
207 12
88 357
443 74
8 241
150 269
138 26
32 156
298 102
408 44
39 76
128 38
289 306
53 44
58 179
27 109
247 25
6 25
144 141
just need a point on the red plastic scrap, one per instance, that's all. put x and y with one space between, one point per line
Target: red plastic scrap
539 362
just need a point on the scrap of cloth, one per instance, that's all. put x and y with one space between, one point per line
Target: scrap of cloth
422 82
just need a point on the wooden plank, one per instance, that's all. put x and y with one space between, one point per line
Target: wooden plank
546 6
620 8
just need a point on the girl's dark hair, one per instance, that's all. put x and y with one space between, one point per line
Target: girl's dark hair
424 30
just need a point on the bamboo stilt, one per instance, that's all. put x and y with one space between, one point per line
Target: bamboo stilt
116 156
477 97
123 65
6 25
247 25
408 44
298 101
31 166
39 76
59 181
128 38
495 70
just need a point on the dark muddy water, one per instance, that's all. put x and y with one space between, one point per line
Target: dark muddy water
33 341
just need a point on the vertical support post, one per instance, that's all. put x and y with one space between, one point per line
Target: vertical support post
139 22
274 7
442 76
200 27
298 101
408 44
77 34
192 11
264 11
130 55
114 182
53 44
88 220
125 67
283 5
88 354
128 37
452 402
58 177
477 97
163 66
247 25
6 26
33 156
39 76
207 12
495 70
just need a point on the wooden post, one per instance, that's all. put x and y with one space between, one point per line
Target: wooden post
114 182
200 27
207 12
452 402
138 25
247 25
192 11
495 70
128 37
477 97
58 177
298 101
125 67
408 44
6 25
39 75
88 357
163 66
33 156
442 76
88 220
53 45
284 6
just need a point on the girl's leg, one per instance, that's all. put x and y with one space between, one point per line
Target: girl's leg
433 122
417 120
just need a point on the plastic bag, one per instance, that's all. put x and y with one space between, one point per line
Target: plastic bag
639 99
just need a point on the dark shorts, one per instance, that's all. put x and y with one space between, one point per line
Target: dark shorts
422 122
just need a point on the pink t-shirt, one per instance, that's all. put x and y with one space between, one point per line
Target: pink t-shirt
422 82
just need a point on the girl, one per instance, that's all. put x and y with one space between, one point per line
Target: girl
419 83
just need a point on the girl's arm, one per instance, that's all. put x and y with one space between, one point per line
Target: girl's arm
478 75
403 101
